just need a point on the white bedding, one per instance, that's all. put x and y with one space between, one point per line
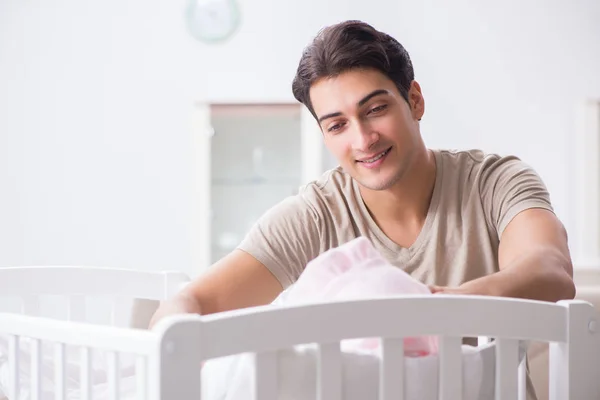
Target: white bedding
230 378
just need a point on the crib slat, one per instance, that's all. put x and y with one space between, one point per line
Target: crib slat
141 374
76 308
30 305
86 377
59 372
522 381
113 374
36 370
451 379
265 381
114 310
391 377
13 363
329 378
507 364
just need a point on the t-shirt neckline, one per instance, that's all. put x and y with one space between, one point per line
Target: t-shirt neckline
405 253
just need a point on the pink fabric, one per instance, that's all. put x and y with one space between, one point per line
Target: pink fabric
356 270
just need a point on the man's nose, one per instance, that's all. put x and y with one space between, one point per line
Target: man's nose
364 137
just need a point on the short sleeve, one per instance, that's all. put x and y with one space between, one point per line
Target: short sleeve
285 239
509 186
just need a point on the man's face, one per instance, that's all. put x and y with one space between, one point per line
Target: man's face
368 126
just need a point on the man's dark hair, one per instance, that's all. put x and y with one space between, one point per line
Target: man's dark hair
351 45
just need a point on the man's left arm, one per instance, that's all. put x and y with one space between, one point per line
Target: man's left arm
534 261
533 253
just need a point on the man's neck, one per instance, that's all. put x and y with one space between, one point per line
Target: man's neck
407 202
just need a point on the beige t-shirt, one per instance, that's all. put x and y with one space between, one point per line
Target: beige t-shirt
475 197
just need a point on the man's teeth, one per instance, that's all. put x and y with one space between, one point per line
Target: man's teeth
375 158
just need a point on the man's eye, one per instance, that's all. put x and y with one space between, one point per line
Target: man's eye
335 127
378 109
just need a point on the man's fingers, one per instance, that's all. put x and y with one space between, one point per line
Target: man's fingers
435 288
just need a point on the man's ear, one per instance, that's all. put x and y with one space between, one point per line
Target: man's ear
416 100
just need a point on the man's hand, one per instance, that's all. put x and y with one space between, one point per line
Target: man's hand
182 303
534 262
447 290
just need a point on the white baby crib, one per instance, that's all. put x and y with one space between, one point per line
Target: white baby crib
56 311
168 359
569 326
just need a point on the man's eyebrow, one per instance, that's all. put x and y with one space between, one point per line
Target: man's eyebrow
331 115
360 103
371 95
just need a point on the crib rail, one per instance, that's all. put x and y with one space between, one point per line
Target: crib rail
78 334
89 281
104 296
87 338
567 326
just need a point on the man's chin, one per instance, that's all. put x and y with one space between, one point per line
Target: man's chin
377 181
375 184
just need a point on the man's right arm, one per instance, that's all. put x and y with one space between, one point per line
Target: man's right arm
236 281
269 259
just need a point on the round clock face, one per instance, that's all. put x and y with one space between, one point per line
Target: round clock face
212 20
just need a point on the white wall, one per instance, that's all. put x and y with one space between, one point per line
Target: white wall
96 151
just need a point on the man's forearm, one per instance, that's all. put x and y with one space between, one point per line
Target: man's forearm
538 275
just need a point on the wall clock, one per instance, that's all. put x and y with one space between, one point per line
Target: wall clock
212 21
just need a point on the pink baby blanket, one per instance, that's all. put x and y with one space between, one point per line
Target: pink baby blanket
356 270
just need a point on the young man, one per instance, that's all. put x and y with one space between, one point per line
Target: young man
460 221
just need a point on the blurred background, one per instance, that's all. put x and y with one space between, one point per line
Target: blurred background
152 134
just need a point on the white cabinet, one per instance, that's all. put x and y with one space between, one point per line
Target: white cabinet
250 157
